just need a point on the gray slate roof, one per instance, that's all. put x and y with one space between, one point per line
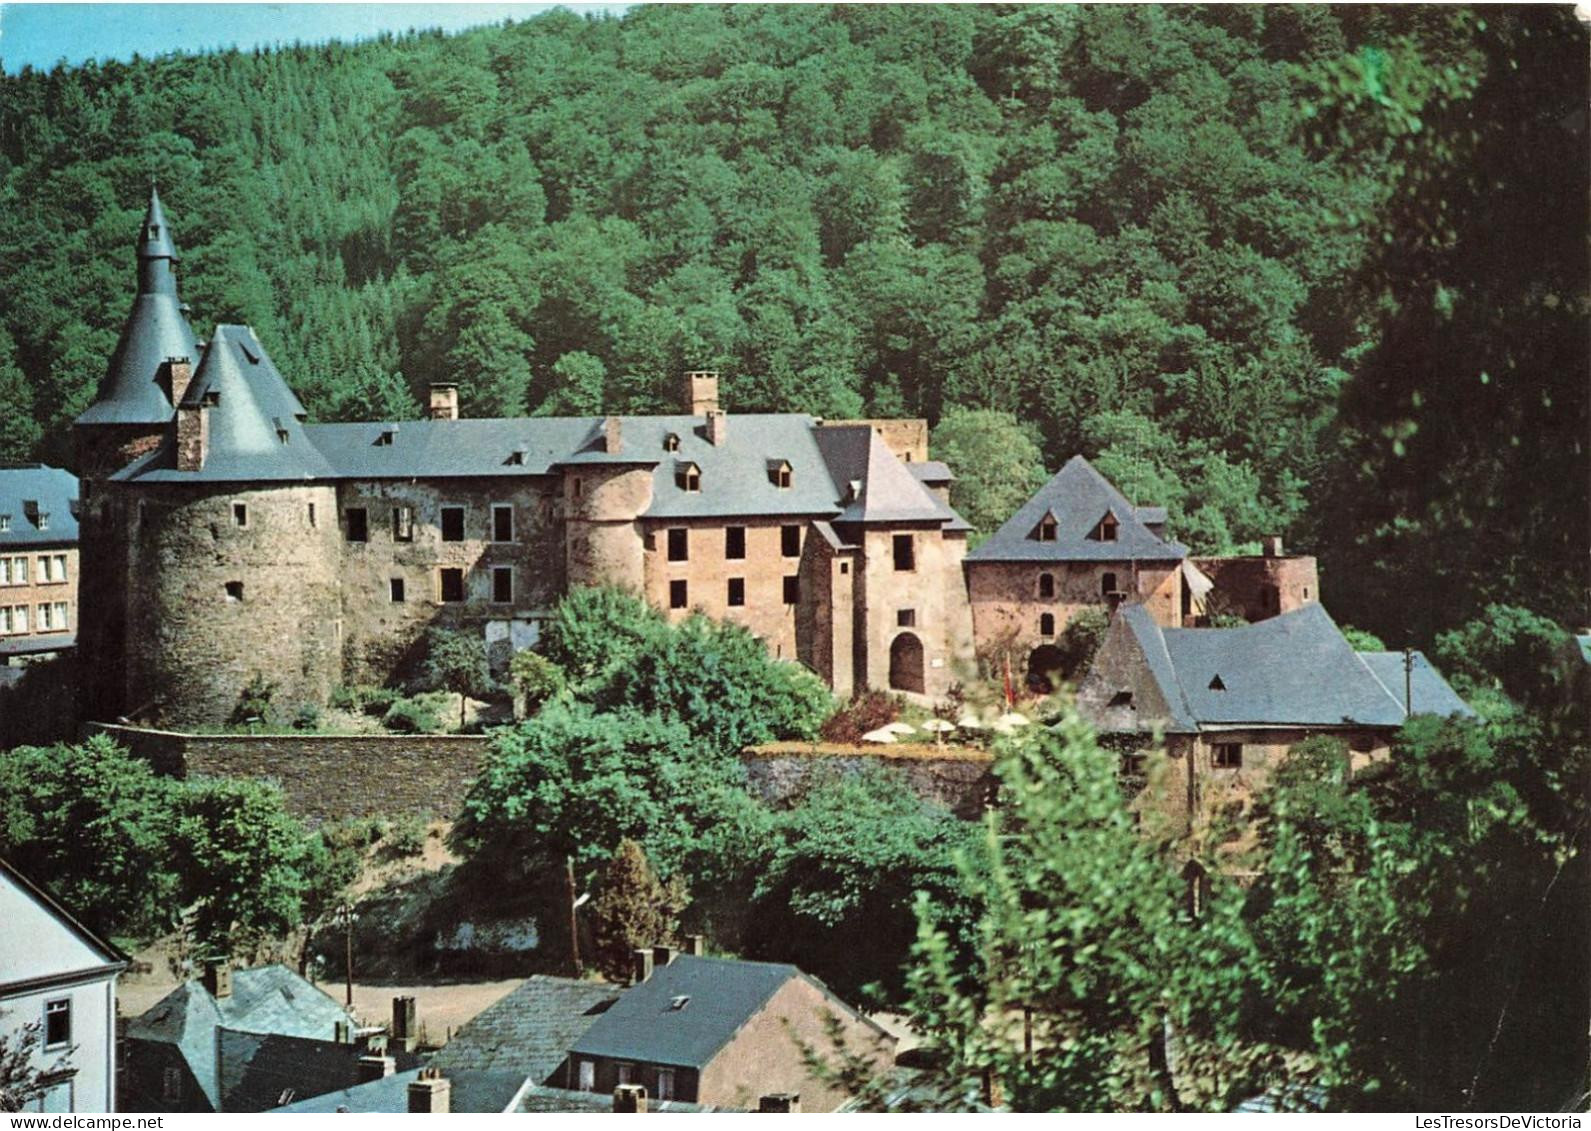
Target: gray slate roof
264 999
1295 669
155 330
723 994
529 1030
487 1093
538 1100
1078 497
1431 693
888 492
54 490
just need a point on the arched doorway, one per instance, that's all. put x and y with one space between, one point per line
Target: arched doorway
1046 668
906 663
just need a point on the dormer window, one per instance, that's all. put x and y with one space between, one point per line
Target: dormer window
688 477
1217 685
153 232
5 524
1048 529
385 438
853 491
1105 530
281 429
516 458
671 442
779 473
210 399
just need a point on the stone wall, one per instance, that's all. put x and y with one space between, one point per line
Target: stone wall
325 777
1257 587
780 773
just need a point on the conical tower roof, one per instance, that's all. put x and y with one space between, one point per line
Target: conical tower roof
155 331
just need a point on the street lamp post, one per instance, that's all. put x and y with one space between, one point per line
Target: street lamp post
347 918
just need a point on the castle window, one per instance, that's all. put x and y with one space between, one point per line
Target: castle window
1226 755
5 524
211 398
1046 586
688 477
790 541
906 618
845 567
734 542
737 591
1048 529
451 584
905 552
503 585
792 590
358 524
678 596
1047 624
779 473
1121 699
574 487
312 515
395 588
234 591
1270 598
403 523
502 522
1105 529
679 545
240 514
1107 583
452 524
671 442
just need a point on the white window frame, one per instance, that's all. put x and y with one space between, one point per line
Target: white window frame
66 1004
585 1075
665 1084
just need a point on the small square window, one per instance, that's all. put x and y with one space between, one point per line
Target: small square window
502 523
312 514
452 524
790 541
240 514
678 597
792 590
679 546
688 478
57 1022
905 551
734 542
403 523
358 524
737 591
906 618
234 591
503 585
1048 529
1227 755
845 567
452 585
396 588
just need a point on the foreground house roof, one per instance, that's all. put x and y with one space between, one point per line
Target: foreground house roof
528 1031
1076 500
1292 670
48 948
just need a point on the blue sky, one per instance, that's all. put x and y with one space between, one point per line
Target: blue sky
43 34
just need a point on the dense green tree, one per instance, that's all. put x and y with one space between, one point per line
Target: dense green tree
455 660
631 910
995 460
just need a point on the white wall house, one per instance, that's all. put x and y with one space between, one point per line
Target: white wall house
59 978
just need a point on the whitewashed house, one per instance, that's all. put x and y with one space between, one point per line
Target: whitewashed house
58 979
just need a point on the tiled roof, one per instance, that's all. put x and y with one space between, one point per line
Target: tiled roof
55 492
528 1030
1079 498
1295 669
264 999
719 996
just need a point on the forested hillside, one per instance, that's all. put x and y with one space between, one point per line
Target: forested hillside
1313 270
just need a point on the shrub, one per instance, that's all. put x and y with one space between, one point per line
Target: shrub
407 836
307 717
254 708
1080 639
412 716
537 678
866 712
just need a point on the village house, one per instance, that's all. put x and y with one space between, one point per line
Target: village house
230 538
1219 708
38 562
57 983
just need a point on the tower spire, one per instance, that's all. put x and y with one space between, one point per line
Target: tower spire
157 255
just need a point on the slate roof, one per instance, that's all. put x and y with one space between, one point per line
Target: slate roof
487 1093
1431 693
888 492
723 994
1295 669
529 1030
156 329
31 644
56 493
539 1100
932 471
1078 497
264 999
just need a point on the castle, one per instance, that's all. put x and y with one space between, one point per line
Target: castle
226 539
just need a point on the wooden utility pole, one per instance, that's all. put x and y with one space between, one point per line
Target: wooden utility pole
346 916
1408 683
574 928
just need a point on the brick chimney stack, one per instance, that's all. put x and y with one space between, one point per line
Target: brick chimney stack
375 1067
431 1093
787 1102
1271 545
404 1032
700 392
444 400
717 427
612 436
193 437
695 945
640 966
179 373
662 956
218 979
629 1098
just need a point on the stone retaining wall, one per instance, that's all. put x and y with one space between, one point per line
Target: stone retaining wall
957 778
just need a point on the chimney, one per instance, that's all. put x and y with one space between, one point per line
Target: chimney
629 1098
403 1031
1271 545
640 966
701 392
444 400
695 945
611 439
787 1102
218 979
430 1093
717 427
193 437
662 956
179 372
370 1068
